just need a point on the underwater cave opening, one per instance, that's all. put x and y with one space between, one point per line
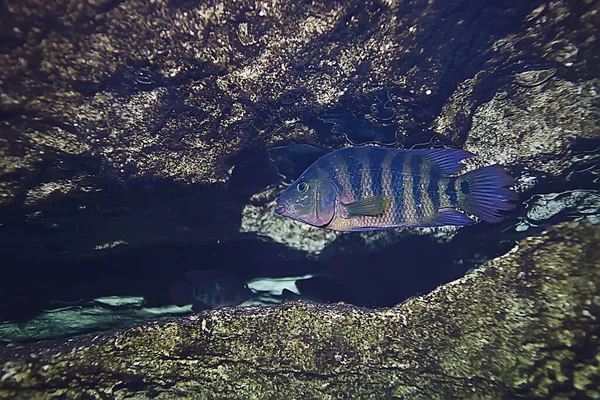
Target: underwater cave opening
135 238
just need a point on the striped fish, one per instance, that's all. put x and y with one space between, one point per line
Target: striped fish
372 188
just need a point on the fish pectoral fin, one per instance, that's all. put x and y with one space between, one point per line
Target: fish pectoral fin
375 205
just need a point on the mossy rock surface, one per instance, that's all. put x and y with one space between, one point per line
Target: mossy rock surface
523 326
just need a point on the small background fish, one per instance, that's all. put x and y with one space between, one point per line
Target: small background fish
209 289
370 188
206 289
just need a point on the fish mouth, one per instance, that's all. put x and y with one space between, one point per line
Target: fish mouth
282 208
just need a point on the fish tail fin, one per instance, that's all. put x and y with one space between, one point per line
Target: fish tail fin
483 193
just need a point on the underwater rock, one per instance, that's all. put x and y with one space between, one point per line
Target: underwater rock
359 131
291 161
542 50
545 209
523 325
104 94
129 125
174 91
118 216
525 109
537 127
534 77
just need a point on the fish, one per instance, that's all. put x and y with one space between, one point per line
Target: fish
208 289
365 188
276 286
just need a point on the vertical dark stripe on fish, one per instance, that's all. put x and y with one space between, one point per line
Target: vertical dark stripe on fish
415 170
343 177
365 173
451 191
376 157
408 211
426 207
434 194
397 185
355 172
388 189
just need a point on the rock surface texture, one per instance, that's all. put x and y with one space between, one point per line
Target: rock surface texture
174 90
525 325
130 125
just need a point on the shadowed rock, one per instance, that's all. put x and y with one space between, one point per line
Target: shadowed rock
104 94
119 118
524 325
174 90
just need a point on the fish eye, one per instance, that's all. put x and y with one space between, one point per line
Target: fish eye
302 187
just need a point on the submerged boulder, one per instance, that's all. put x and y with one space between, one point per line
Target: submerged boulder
523 325
104 102
133 125
176 90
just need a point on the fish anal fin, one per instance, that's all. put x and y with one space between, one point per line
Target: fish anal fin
375 205
450 216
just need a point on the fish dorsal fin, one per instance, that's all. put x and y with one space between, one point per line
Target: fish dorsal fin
375 205
447 159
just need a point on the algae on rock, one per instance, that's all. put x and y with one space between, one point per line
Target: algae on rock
522 326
